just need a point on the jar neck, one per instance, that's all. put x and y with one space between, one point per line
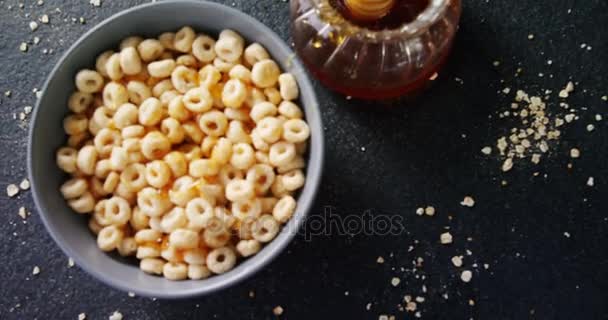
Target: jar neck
367 10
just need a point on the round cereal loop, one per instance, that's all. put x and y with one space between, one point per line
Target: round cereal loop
221 260
281 153
195 255
75 124
191 151
125 192
222 65
187 60
109 238
265 228
184 239
115 95
240 72
152 203
229 49
119 158
237 133
171 254
66 159
158 173
284 209
247 209
152 265
297 163
234 93
147 236
117 211
132 137
265 73
99 213
228 33
273 95
225 217
261 176
111 182
113 69
105 140
203 48
177 110
203 168
151 250
150 49
198 100
138 91
213 123
216 238
130 62
208 144
270 129
101 117
243 156
127 247
198 272
173 220
290 110
79 102
239 114
89 81
86 160
139 221
166 39
209 76
175 271
184 79
247 248
101 61
184 39
295 131
173 130
125 116
130 42
293 180
182 191
254 97
288 87
239 190
228 173
255 53
222 151
177 163
199 212
277 188
194 134
103 168
167 96
262 110
134 177
162 69
155 145
162 87
150 112
259 144
85 203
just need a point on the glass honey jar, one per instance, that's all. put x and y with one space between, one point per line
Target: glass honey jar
374 49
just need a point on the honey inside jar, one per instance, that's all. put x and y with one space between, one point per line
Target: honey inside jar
398 13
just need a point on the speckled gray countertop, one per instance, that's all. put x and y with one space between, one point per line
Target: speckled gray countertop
535 243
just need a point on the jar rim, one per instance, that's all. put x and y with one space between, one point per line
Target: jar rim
433 12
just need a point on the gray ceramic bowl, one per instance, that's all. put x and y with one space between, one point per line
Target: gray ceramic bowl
69 229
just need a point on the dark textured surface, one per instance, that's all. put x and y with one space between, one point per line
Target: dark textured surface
427 153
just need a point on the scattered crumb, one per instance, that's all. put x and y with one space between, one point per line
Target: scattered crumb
564 93
468 202
131 294
277 311
457 261
429 211
507 165
598 117
251 294
70 262
383 317
115 316
466 276
23 47
12 190
33 25
44 19
445 238
567 234
486 150
380 260
471 302
82 316
25 184
496 63
36 270
368 306
530 36
420 211
590 127
95 3
590 182
605 98
575 153
395 281
22 213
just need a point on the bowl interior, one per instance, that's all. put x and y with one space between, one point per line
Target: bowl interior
46 135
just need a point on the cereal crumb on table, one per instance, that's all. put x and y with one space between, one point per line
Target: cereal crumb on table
457 261
95 3
486 150
23 47
395 281
25 184
12 190
115 316
567 234
575 153
277 311
420 211
70 262
44 19
590 182
564 93
468 202
22 213
36 270
429 211
380 260
446 238
82 316
466 276
33 25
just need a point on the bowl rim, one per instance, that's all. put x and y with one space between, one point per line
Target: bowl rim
311 109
